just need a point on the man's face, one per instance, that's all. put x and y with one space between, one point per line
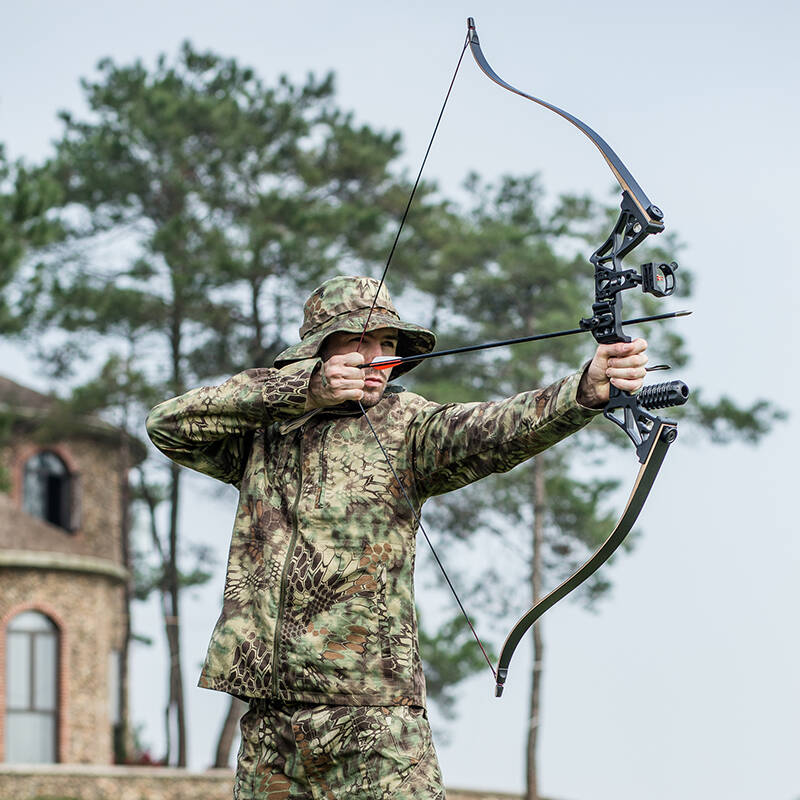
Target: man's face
380 342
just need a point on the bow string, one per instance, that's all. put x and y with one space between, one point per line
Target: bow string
650 434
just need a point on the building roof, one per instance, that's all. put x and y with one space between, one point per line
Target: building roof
16 396
26 405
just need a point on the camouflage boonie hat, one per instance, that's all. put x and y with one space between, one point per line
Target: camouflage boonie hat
342 305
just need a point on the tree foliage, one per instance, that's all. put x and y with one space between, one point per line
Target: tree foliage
195 202
178 227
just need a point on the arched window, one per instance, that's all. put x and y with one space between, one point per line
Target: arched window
31 689
48 490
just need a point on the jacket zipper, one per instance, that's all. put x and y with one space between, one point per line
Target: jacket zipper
323 469
282 595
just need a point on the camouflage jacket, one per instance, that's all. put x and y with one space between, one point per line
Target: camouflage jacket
319 600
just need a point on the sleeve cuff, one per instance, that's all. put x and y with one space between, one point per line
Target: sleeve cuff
568 404
290 389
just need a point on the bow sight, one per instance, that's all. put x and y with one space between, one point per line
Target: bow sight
656 279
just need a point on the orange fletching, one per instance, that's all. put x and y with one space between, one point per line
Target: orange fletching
384 362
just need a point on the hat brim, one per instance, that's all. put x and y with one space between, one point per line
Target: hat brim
412 339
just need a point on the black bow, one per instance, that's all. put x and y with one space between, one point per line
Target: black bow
650 434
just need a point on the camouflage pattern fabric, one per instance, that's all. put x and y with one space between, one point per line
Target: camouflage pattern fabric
333 752
319 600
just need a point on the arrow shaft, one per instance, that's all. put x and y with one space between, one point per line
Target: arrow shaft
394 362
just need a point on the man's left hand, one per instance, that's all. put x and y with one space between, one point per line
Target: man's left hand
621 364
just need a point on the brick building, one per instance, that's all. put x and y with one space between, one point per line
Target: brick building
62 581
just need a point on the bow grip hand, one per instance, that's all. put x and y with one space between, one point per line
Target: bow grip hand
621 364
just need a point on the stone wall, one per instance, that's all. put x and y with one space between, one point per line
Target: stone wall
69 782
86 609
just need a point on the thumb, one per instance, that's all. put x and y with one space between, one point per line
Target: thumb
353 359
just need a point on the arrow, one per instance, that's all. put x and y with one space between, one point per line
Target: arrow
387 362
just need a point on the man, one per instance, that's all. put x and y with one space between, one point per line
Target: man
318 629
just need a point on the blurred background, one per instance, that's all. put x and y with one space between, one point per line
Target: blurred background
684 679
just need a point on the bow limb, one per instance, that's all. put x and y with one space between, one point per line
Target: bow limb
664 436
628 183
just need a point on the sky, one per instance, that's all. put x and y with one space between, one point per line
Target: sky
686 681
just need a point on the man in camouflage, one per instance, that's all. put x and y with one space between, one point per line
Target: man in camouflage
318 629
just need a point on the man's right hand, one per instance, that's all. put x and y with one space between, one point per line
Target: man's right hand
337 380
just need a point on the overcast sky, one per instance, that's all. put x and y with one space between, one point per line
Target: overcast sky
685 684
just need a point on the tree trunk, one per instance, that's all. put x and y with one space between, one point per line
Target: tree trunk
257 341
539 500
176 712
172 624
123 736
236 708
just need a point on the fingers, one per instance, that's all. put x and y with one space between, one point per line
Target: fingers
621 364
337 380
627 385
622 349
631 367
353 358
625 365
343 376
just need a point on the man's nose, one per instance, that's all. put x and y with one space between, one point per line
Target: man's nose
370 350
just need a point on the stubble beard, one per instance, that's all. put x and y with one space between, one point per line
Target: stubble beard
373 396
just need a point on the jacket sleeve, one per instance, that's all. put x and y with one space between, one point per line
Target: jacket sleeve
458 443
211 429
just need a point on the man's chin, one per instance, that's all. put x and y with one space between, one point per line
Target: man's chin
372 397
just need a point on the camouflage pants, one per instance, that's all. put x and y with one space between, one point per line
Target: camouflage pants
332 752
